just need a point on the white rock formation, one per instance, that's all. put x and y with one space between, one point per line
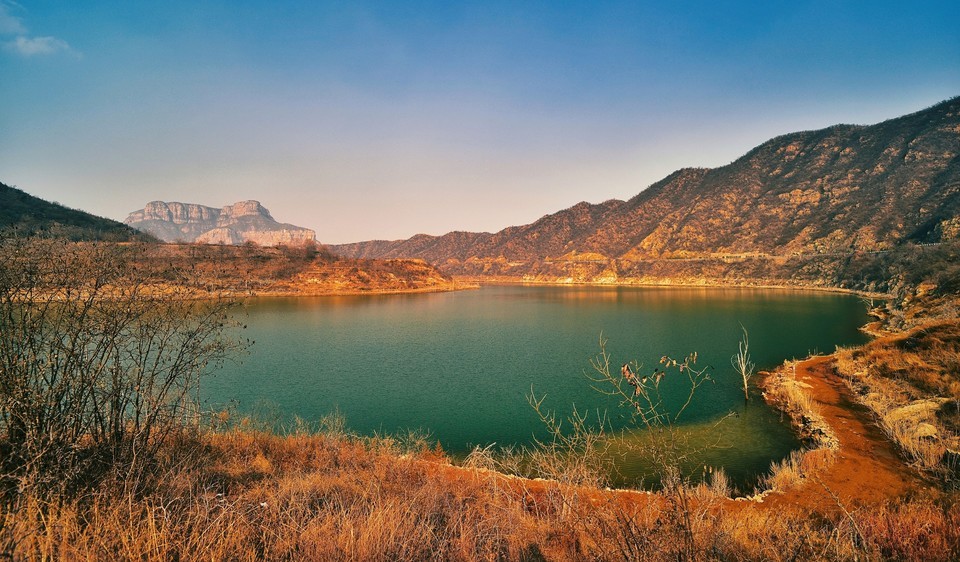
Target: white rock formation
246 221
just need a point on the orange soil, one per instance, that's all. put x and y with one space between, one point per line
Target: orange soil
868 469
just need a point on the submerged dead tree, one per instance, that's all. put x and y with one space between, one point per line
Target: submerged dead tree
743 364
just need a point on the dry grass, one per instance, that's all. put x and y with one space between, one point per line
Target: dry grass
911 382
257 496
917 530
782 388
798 468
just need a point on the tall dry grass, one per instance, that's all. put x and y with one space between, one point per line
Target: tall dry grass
312 496
259 496
911 383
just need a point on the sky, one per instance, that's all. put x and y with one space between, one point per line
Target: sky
380 120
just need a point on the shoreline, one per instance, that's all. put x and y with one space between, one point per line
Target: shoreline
828 474
845 437
347 293
473 283
505 281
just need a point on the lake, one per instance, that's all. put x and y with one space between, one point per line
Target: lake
461 364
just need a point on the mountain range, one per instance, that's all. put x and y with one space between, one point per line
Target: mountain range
843 189
807 208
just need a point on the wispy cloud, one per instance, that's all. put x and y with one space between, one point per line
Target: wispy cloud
37 46
23 43
9 23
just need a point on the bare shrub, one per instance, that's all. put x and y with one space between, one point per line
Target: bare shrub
99 369
720 483
664 445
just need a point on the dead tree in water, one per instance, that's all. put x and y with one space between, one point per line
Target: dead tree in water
742 364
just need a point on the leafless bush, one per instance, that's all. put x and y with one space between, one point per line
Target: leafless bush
664 445
99 369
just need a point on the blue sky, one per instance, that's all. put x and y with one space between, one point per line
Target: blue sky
367 120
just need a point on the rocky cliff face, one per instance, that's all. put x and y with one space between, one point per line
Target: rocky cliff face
246 221
839 190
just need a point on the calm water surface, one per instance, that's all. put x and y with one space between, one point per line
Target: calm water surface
461 364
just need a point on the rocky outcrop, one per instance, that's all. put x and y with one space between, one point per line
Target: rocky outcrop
246 221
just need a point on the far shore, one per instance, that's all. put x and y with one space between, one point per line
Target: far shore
473 282
667 283
345 293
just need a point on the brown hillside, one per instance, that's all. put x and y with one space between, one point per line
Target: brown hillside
841 189
250 270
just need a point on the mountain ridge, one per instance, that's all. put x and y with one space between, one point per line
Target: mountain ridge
844 188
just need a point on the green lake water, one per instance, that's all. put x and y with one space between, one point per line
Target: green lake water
459 365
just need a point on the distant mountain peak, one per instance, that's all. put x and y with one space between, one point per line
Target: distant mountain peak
246 208
241 222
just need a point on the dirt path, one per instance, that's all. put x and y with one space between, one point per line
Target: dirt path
868 469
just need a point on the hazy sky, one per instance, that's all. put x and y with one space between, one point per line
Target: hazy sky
368 120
